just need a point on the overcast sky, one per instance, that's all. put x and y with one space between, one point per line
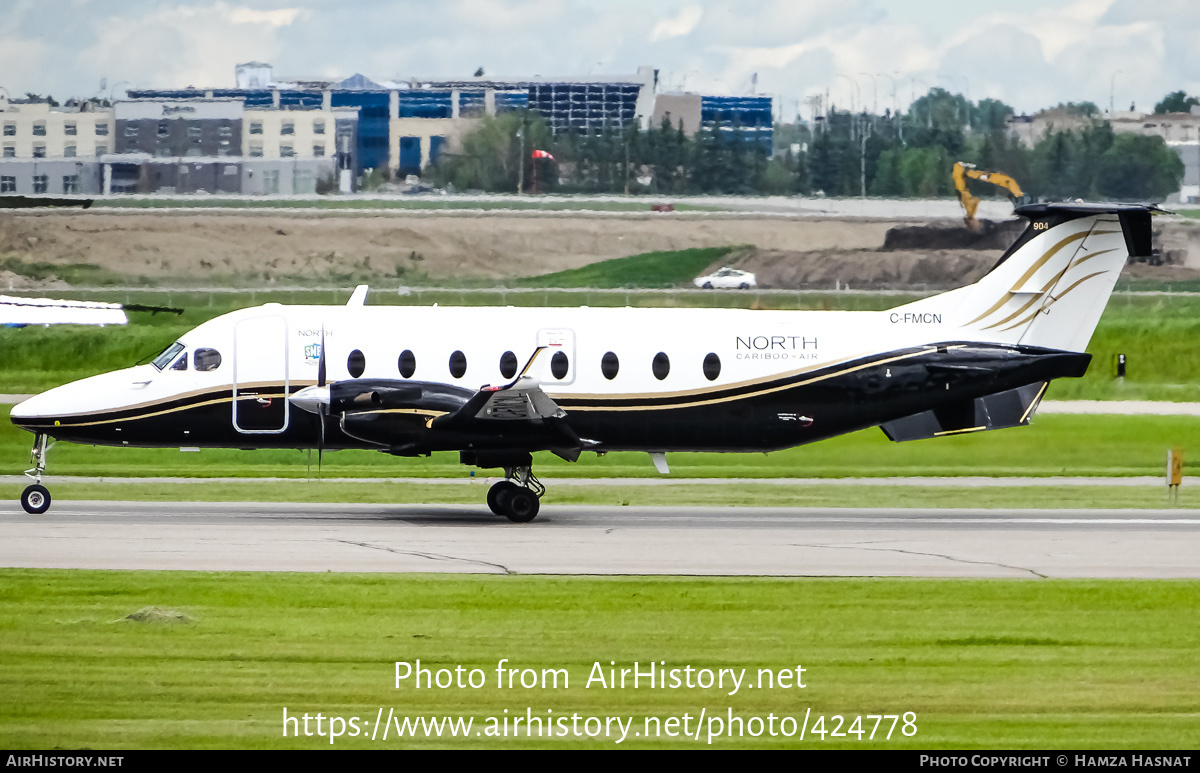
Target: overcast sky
1026 53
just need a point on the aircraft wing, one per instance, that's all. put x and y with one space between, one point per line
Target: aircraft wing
18 312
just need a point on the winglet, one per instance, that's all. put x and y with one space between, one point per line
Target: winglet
359 298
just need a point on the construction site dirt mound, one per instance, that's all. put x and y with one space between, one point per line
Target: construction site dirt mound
991 235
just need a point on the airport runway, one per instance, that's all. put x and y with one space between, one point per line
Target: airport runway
603 540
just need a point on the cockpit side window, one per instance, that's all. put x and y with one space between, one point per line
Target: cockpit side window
180 364
167 356
206 359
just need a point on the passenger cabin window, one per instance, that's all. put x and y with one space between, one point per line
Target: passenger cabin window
712 366
356 363
609 365
458 364
559 365
206 359
168 354
407 363
508 365
661 365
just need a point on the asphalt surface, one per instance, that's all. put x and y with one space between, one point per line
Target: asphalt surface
605 540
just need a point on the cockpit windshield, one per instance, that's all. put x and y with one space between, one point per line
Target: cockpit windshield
164 359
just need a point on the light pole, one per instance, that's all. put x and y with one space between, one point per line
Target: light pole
1112 86
895 106
521 161
854 90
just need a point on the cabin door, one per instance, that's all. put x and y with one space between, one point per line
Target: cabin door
260 376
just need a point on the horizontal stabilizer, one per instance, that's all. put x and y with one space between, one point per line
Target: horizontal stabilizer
1011 408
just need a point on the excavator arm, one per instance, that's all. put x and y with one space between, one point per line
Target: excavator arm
970 202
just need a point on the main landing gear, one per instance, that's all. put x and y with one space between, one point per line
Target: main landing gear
518 496
35 498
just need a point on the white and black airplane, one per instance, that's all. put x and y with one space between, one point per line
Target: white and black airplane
570 380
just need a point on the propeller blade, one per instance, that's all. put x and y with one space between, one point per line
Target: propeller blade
321 361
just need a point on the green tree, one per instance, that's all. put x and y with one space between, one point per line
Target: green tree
1138 167
1088 109
490 157
1176 102
991 115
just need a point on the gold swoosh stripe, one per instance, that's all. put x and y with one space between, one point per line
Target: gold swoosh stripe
1030 272
163 412
1077 283
1021 310
1045 258
1086 258
1053 301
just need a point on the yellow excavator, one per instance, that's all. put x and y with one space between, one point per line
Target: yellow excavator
969 202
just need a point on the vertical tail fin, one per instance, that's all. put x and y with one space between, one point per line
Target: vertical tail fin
1051 286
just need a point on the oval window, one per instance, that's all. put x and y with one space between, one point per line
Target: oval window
407 363
661 365
458 364
356 363
206 359
712 366
508 365
609 365
559 365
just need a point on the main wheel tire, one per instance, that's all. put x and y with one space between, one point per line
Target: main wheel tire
521 505
743 286
35 499
497 497
707 285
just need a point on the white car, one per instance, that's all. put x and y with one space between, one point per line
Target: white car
726 278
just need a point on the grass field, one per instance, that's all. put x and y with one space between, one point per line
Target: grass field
650 269
981 664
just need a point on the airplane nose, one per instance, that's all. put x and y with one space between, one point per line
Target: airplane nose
39 409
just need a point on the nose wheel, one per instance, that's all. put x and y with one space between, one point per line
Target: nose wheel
518 498
35 499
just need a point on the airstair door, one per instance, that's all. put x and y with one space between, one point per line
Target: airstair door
260 375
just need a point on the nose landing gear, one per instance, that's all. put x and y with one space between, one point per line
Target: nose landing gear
518 497
35 498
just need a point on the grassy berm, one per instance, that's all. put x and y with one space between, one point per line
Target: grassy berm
113 660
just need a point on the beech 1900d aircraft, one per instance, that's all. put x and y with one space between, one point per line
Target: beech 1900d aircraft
570 380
